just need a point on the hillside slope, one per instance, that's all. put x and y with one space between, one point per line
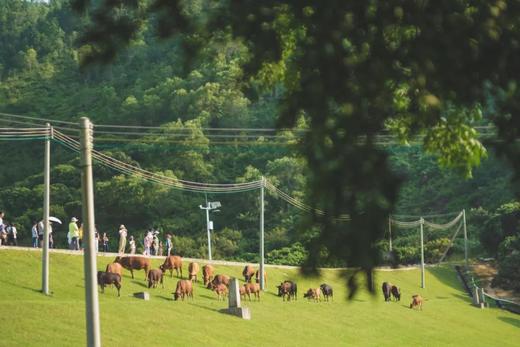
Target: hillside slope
447 318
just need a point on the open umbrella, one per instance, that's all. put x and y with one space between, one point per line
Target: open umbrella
55 220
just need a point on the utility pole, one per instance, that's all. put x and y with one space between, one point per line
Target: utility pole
46 203
90 267
465 238
422 253
261 270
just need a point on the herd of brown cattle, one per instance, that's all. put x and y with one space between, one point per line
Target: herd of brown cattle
220 283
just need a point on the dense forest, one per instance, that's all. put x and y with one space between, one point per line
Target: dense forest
152 83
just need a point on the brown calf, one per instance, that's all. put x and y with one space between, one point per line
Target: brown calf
417 301
218 279
193 269
252 288
207 273
313 293
172 262
154 277
221 290
184 289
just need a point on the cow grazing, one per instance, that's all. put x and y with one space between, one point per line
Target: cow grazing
313 293
115 268
396 293
257 275
170 263
207 273
252 288
327 291
184 289
242 291
248 273
218 279
193 269
221 290
135 263
289 289
105 278
417 301
387 291
154 277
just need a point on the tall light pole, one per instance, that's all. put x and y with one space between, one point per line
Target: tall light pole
209 206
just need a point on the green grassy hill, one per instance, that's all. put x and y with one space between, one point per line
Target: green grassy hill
31 319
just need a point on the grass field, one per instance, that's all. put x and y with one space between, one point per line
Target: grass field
29 318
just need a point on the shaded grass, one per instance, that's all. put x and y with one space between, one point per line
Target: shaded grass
59 320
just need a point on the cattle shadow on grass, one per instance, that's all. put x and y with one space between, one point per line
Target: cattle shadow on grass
204 307
140 283
510 320
167 298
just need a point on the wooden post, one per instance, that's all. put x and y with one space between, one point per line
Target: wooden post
46 207
90 267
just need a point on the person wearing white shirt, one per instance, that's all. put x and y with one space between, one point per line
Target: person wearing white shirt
122 238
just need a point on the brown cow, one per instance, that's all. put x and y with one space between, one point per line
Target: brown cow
417 301
257 275
193 269
252 288
242 291
172 262
207 273
218 279
289 289
135 263
248 273
104 278
115 268
154 277
313 293
184 289
221 290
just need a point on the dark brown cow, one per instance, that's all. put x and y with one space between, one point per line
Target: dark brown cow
327 291
221 290
193 269
396 293
104 278
115 268
218 279
248 273
257 275
417 301
289 289
135 263
172 262
207 273
387 290
252 288
155 276
184 289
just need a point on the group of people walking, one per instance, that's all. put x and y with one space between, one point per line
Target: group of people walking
151 244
